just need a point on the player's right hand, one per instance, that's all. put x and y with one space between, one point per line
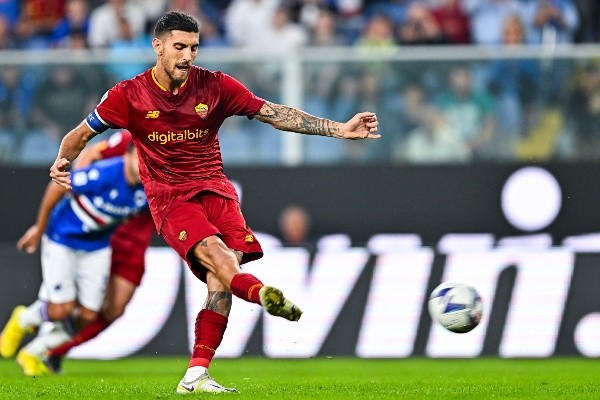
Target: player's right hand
60 174
30 240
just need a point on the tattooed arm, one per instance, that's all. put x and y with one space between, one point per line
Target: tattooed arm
285 118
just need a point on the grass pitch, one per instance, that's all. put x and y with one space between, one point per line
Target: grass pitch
322 378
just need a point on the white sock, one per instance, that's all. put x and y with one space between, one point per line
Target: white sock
48 340
34 314
193 372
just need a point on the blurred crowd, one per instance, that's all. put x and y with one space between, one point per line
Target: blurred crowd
281 24
456 112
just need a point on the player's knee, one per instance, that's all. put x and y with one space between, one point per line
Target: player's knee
86 316
213 253
58 312
113 312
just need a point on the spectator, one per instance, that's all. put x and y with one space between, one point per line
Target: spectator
202 10
37 20
434 140
7 41
454 21
10 9
395 10
295 227
583 111
516 85
472 112
127 45
402 111
210 35
378 34
284 35
420 27
152 8
307 12
76 19
488 16
589 17
551 21
246 21
321 81
106 19
17 88
63 100
324 31
352 18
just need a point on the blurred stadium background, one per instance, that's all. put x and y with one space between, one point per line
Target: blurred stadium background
487 170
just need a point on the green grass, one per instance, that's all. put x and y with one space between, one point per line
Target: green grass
322 378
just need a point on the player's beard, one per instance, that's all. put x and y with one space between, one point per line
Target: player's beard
177 81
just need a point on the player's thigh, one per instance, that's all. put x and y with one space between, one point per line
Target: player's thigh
92 277
59 266
187 225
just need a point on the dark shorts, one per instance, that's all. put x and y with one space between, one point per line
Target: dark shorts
129 244
204 215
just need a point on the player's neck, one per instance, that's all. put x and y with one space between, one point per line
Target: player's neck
164 82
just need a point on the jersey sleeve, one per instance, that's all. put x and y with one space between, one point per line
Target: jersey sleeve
238 100
115 145
111 112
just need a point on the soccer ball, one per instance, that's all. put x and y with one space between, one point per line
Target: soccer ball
456 306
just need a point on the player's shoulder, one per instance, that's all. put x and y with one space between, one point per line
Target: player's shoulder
139 79
205 74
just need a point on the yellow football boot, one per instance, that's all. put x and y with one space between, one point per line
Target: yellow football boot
13 333
32 365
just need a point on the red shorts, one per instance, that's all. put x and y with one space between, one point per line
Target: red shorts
204 215
129 243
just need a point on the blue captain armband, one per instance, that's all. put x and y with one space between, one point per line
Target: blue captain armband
96 123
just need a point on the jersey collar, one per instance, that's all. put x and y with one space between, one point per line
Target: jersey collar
164 89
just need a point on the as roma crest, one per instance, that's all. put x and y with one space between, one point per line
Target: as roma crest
201 110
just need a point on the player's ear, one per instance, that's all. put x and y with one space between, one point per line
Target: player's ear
157 46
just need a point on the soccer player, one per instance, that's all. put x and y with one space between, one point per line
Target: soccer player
174 111
74 231
129 243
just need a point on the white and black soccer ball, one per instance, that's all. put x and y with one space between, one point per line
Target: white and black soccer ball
456 306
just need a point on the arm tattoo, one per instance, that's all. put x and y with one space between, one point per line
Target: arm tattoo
219 302
291 119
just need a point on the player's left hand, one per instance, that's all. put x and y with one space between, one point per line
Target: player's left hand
60 174
362 126
30 240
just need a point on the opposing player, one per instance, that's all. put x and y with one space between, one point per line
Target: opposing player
174 111
129 243
75 232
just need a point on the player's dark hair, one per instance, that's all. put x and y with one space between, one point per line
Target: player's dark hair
175 21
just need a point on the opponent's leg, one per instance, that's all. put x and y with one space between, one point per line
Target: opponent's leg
30 358
118 294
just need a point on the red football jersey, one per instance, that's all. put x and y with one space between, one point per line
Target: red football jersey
176 134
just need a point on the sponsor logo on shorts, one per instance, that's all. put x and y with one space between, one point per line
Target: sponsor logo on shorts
183 236
249 239
201 110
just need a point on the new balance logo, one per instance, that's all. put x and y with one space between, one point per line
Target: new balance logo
153 114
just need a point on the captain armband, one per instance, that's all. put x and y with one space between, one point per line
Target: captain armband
97 124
